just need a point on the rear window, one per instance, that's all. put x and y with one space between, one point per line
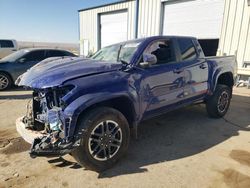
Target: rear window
187 49
6 44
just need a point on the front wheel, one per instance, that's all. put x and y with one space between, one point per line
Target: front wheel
218 104
104 140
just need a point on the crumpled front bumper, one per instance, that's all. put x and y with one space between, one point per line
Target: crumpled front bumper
27 134
41 142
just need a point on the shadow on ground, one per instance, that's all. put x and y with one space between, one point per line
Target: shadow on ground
61 162
180 134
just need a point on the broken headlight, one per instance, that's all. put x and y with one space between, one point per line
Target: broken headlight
54 97
55 120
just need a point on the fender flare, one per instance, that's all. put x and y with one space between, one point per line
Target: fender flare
217 73
83 102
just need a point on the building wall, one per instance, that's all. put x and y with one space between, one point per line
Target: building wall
88 21
149 18
235 33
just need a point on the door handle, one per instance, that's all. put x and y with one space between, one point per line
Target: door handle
203 66
178 71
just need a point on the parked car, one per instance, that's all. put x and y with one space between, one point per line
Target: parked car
7 47
89 109
19 62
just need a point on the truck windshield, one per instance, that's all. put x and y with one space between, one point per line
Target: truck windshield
118 52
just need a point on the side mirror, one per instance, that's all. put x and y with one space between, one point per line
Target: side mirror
22 60
148 60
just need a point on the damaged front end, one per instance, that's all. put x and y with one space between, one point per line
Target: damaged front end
45 114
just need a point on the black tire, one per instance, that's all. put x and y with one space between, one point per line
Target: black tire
216 107
6 80
89 123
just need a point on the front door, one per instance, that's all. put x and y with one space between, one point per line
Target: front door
162 83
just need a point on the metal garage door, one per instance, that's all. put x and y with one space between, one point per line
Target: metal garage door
114 28
199 18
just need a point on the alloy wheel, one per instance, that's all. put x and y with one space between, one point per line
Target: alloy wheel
4 82
105 140
223 102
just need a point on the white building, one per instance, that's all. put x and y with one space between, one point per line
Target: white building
220 25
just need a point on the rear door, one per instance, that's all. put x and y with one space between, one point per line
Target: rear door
195 68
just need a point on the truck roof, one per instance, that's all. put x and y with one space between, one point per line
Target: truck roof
154 38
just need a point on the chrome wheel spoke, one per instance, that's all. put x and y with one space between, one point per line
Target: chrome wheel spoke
223 102
95 140
96 135
100 150
106 124
115 145
115 139
105 140
3 82
116 131
105 153
109 151
95 149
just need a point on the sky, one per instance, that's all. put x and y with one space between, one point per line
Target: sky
43 20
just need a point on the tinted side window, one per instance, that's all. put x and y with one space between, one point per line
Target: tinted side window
56 53
163 50
187 49
69 54
37 55
6 44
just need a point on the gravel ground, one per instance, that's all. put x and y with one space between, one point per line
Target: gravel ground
183 148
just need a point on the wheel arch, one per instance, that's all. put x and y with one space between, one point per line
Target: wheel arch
122 103
225 78
84 104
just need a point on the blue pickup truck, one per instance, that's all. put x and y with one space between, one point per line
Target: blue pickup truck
87 107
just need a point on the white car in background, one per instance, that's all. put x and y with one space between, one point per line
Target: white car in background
7 47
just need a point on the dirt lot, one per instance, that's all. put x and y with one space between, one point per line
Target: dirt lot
183 148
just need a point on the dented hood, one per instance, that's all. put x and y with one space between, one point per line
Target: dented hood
55 71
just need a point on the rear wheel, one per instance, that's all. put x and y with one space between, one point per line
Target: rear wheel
5 81
218 104
105 138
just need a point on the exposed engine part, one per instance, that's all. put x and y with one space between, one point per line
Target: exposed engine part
45 113
46 147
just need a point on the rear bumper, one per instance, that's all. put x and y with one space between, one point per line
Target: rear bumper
27 134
